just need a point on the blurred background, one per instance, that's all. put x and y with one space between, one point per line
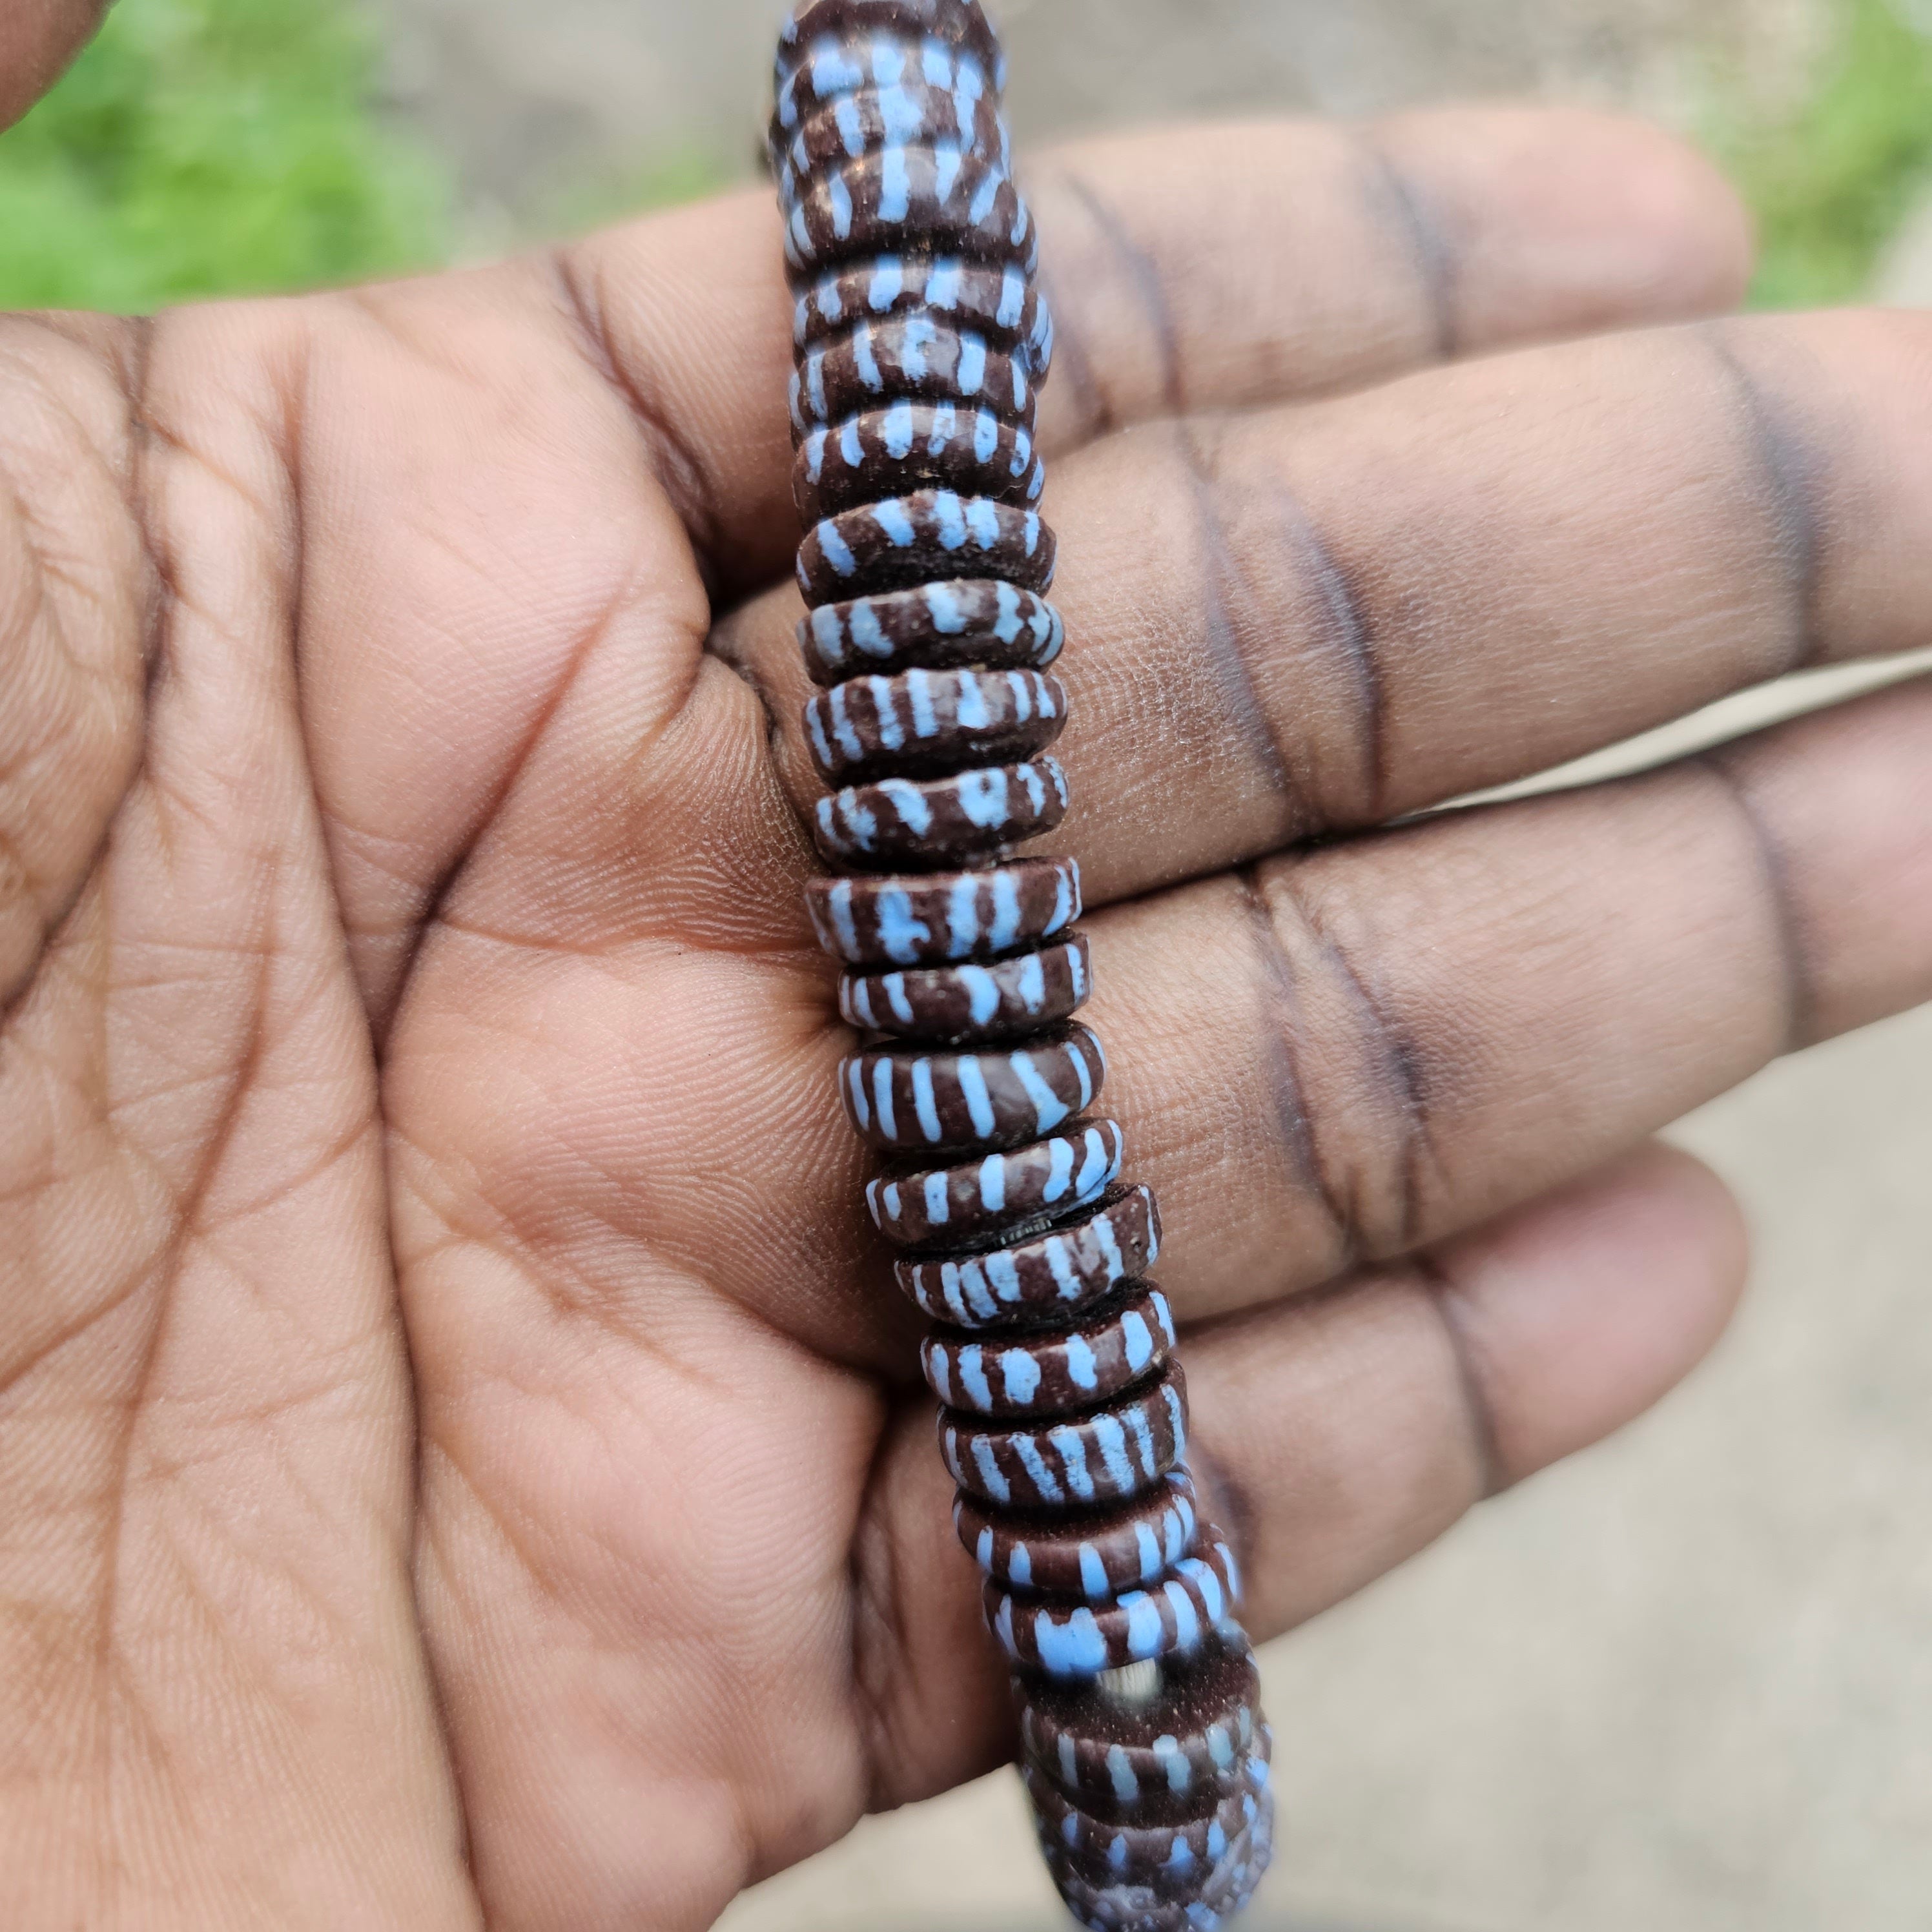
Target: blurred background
1683 1682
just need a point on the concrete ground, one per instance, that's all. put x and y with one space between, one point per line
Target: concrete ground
1683 1683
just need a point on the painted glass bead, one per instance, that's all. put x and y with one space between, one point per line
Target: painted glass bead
933 627
926 721
911 359
995 301
1056 1275
1098 1554
1061 1637
1006 1194
909 541
988 1097
1194 1736
1121 1450
955 1004
945 917
1051 1372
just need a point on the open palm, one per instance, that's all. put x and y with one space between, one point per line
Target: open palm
460 1458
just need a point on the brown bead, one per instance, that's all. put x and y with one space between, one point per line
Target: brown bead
1095 1554
1072 1639
1052 1276
978 1098
1197 1901
1121 1450
1007 1193
960 25
938 918
971 817
823 62
934 627
912 115
955 1004
1182 1857
912 359
924 722
893 451
915 540
995 301
1033 1373
956 205
1193 1736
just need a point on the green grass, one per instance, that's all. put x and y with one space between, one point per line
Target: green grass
205 147
1830 182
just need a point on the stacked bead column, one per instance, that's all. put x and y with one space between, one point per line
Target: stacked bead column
923 342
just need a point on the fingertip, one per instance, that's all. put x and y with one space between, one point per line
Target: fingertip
1666 187
1582 1311
1571 219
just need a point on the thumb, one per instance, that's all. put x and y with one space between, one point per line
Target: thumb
37 40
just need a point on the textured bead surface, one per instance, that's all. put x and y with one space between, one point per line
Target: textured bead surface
910 114
992 299
1056 1370
957 1003
826 66
925 721
1214 1900
911 541
949 917
909 446
966 205
1122 1450
913 359
1001 1196
1170 1857
1056 1275
1080 1640
971 816
946 22
1095 1554
989 1097
1193 1736
935 627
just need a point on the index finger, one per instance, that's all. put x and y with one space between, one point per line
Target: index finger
1197 269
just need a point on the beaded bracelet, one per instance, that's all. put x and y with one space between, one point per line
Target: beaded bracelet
922 340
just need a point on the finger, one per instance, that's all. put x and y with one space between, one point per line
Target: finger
1325 618
73 592
1335 1438
37 39
1375 1045
1204 267
1342 1055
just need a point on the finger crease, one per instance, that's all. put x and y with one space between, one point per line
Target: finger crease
1291 1113
673 462
717 646
1400 205
1346 634
1401 1074
1778 876
1142 273
1227 647
1788 480
1445 1295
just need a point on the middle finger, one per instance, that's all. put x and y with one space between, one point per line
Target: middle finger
1322 618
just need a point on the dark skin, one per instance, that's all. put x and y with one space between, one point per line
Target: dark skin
460 1461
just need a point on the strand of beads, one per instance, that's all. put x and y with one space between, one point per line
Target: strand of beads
923 341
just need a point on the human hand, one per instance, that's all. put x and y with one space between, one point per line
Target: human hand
461 1453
